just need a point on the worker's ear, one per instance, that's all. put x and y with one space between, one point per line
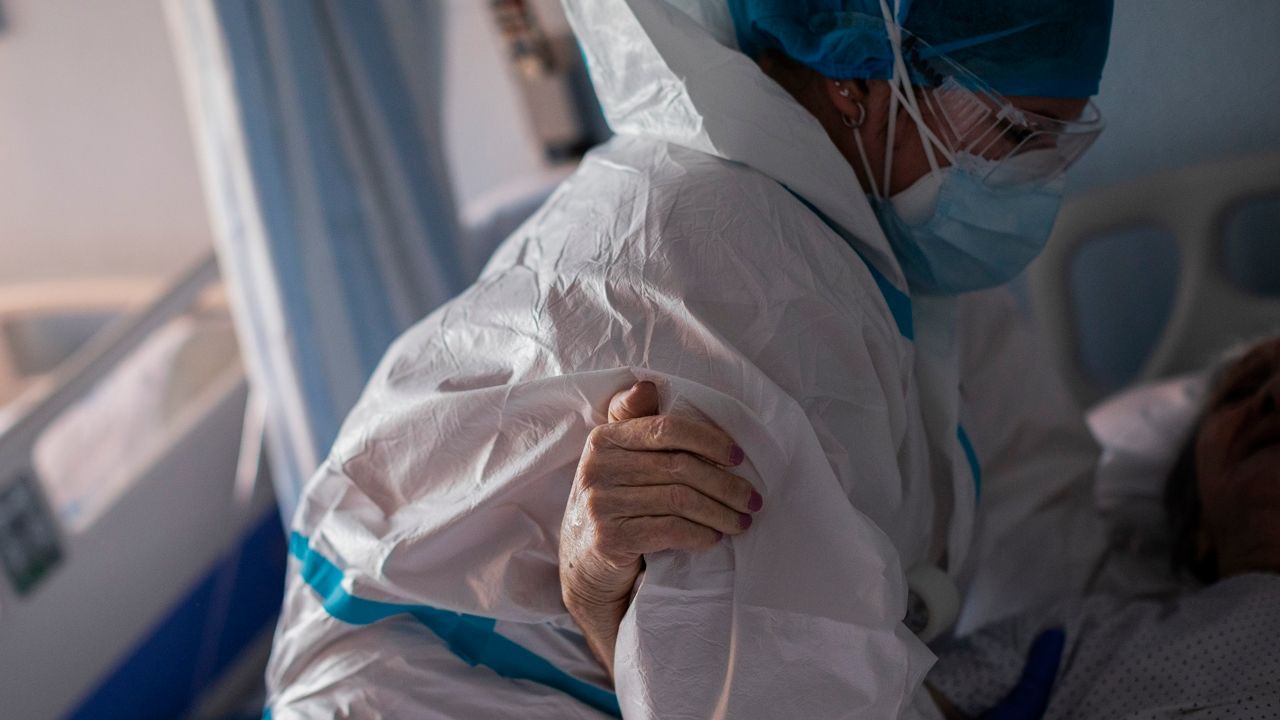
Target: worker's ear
849 97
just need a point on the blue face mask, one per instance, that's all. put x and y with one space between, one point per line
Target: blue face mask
976 237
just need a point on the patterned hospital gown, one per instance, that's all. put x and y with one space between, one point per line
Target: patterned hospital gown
1210 653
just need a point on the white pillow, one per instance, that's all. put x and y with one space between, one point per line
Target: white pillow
1141 432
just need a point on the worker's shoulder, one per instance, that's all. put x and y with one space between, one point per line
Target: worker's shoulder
643 213
685 184
659 199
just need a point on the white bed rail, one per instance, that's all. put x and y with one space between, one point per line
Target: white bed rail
65 632
1209 313
83 370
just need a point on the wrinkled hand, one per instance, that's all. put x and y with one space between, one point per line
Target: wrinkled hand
645 483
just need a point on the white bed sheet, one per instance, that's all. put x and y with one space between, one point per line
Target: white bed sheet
87 457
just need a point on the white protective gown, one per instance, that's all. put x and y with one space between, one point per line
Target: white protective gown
423 581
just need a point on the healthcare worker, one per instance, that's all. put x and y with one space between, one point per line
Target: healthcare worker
790 238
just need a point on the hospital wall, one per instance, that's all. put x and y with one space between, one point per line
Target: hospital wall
98 174
1187 81
477 111
97 171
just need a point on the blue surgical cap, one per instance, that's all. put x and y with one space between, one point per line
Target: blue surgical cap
1051 48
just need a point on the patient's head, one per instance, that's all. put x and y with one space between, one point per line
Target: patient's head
1224 496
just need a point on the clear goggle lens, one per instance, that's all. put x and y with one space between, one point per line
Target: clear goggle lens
969 118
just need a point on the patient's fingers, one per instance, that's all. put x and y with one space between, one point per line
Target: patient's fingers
639 400
669 432
677 500
665 468
642 535
645 483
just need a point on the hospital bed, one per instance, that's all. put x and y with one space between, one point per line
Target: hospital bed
1159 275
1142 286
142 553
43 323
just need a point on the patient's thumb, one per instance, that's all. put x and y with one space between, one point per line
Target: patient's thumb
639 400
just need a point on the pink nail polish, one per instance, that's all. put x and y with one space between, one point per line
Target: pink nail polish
756 502
744 521
736 455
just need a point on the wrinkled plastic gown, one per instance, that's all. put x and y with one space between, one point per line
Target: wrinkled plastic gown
423 580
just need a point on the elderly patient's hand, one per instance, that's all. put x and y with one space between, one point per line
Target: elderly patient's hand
645 483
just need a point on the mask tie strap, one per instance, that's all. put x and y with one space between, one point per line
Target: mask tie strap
932 143
854 127
900 84
867 165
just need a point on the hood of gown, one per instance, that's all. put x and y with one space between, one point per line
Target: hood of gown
670 70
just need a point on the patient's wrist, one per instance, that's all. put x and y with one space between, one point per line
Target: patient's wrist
599 625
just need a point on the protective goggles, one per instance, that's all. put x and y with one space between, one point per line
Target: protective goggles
967 117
